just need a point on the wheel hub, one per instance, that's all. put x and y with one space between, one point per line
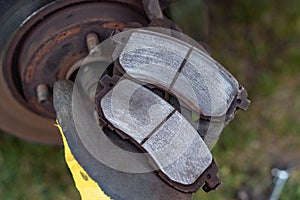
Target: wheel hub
50 44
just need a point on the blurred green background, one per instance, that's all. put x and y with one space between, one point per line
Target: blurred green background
256 40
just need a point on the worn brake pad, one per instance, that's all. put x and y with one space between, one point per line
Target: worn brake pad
185 71
177 151
173 146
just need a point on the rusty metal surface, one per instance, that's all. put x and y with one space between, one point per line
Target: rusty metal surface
52 40
20 77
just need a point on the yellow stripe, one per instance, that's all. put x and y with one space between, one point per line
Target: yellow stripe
87 187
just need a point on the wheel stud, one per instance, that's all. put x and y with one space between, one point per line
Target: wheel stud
92 41
43 93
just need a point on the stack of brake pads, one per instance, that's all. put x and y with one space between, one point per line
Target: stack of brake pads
177 144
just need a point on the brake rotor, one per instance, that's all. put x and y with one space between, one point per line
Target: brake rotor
43 51
47 45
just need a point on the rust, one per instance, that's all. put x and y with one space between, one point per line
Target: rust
45 49
53 39
114 25
29 73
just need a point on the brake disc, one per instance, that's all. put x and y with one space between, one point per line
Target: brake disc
45 41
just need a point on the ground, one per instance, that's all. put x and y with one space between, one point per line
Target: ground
258 41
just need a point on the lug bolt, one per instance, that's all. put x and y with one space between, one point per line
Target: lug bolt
92 42
43 93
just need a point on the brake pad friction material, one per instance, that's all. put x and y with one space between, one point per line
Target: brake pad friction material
206 86
158 129
147 57
134 109
176 142
187 72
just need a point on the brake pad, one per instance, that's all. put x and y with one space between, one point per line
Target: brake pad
183 70
173 146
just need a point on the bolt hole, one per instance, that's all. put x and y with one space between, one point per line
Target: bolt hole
111 85
205 188
208 176
239 101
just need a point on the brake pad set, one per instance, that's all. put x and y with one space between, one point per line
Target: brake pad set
176 140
